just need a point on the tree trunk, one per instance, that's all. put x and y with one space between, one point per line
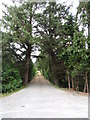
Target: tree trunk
86 83
69 86
28 52
85 86
77 84
25 81
50 65
53 68
54 76
72 83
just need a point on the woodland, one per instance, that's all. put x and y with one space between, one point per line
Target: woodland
60 37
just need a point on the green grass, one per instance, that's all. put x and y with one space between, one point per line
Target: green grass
7 94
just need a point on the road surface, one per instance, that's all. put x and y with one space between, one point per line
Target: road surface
43 100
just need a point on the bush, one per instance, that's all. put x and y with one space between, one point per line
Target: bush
11 79
32 71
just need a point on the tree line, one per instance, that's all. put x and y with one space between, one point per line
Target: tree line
64 57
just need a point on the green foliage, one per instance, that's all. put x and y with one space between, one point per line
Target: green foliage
17 38
11 79
32 71
53 33
61 42
43 64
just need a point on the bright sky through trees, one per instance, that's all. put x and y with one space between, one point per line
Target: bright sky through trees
52 32
75 4
73 10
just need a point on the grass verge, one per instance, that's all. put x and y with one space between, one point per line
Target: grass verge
7 94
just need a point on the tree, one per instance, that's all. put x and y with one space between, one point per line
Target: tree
50 28
78 56
68 29
84 12
17 22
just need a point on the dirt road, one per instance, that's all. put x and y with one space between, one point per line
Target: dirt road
42 100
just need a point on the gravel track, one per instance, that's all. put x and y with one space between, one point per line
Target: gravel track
43 100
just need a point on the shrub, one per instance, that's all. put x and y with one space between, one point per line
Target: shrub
11 79
32 71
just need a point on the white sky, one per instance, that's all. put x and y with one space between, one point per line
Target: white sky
75 4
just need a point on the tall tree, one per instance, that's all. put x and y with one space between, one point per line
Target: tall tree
84 13
50 27
17 23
